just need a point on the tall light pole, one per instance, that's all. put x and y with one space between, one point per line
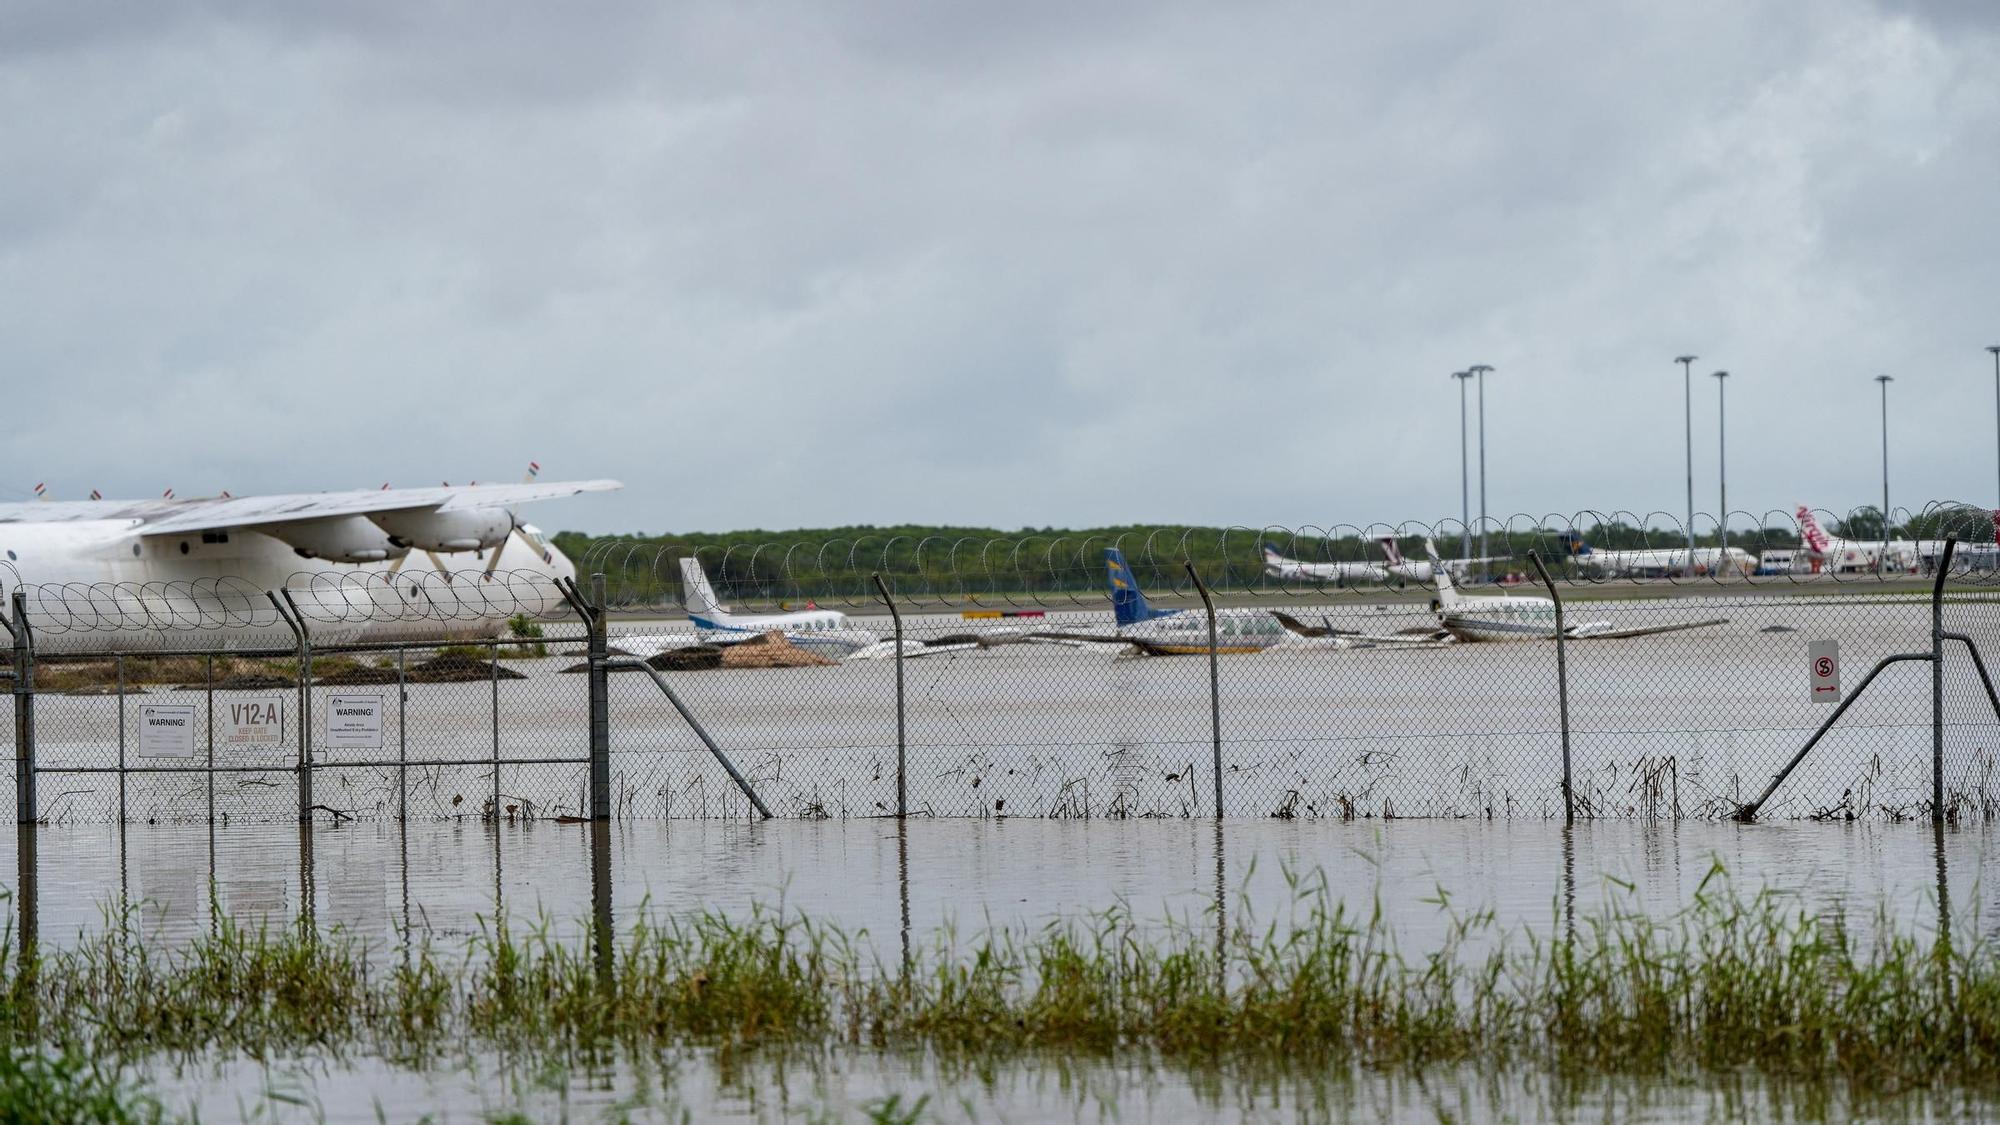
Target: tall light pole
1882 560
1687 402
1480 370
1995 349
1722 458
1464 489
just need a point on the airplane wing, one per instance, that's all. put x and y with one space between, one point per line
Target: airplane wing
1586 632
172 517
886 650
1141 644
1357 637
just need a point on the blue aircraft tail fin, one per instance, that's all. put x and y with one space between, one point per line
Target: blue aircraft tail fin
1128 603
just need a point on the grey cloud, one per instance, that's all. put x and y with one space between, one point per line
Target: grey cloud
785 264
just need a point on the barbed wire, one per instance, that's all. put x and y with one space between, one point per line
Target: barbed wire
1048 570
321 597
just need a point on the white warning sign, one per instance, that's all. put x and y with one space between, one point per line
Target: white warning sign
166 731
354 722
1823 659
251 722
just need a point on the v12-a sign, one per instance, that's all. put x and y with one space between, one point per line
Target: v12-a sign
251 722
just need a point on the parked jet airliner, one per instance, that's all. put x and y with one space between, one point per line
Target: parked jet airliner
167 568
1278 566
1658 562
1826 552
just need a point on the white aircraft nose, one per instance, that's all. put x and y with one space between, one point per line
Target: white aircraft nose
559 564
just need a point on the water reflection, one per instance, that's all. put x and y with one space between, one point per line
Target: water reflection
390 879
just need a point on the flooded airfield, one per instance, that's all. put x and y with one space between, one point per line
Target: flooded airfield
891 886
1047 784
1686 724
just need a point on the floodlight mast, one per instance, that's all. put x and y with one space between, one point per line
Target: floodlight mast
1480 370
1687 404
1464 488
1722 462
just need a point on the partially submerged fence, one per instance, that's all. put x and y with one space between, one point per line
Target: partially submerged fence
1659 701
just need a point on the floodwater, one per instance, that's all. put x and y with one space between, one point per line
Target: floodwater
1682 724
905 883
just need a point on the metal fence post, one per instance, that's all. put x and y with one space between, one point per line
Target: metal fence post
402 733
493 651
24 710
1214 683
208 686
600 701
304 660
1937 684
118 661
902 751
1562 685
598 650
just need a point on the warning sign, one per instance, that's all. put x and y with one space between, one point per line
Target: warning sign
166 731
354 722
1823 658
253 722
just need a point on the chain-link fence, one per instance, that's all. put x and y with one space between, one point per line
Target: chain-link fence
1474 687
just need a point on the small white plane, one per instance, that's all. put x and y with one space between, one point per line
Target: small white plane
197 569
1278 566
822 630
1515 617
1169 632
1658 562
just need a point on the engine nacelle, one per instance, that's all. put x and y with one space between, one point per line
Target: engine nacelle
348 539
473 530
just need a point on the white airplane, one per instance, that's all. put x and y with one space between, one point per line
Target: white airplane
1278 566
1423 570
1174 632
1848 556
1657 562
143 574
822 630
1164 632
1515 617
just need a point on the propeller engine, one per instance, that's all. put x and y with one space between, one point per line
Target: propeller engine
430 530
349 539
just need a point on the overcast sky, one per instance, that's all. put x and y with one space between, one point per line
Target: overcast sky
1022 264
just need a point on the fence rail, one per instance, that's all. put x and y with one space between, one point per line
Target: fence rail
1662 701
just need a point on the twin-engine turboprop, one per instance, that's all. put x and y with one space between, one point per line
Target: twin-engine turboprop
132 574
1424 570
1517 617
821 629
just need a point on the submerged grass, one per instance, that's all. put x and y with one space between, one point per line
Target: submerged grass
1729 985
